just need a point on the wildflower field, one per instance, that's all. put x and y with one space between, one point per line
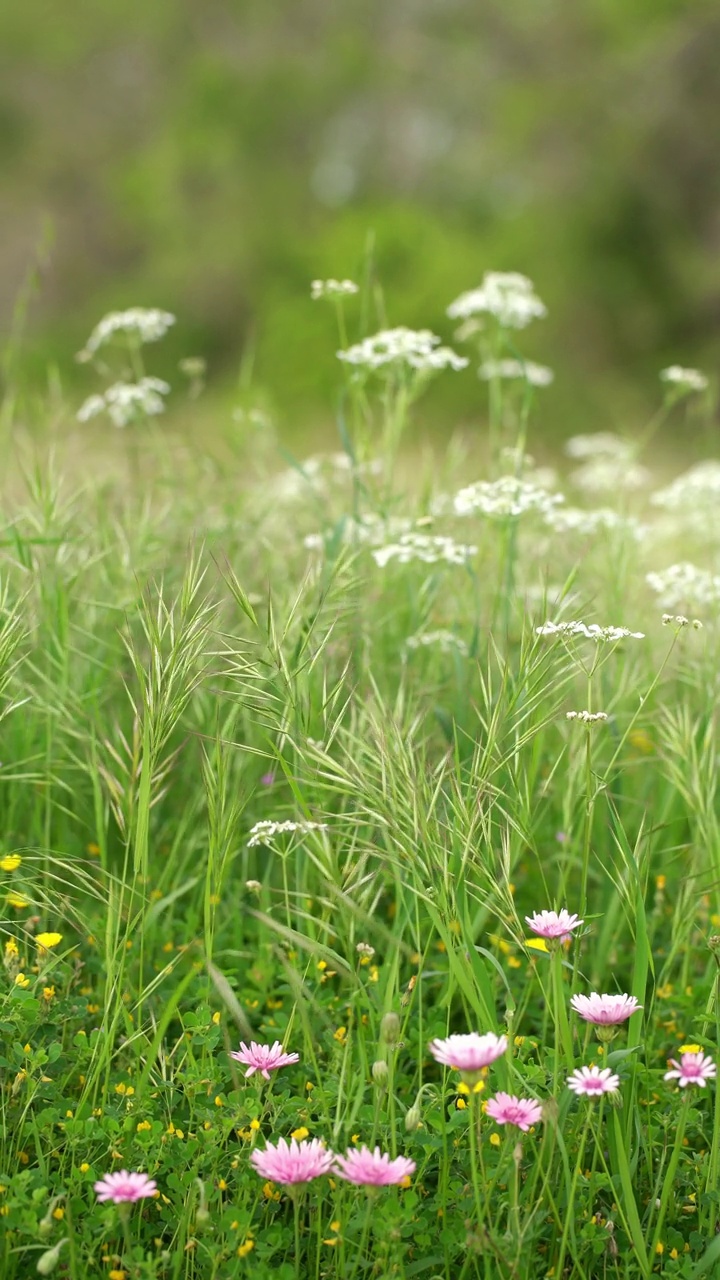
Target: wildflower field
361 858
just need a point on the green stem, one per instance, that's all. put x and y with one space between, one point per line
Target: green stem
669 1180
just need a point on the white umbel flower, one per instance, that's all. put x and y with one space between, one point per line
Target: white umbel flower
603 635
508 496
587 717
600 444
507 295
538 375
142 324
264 832
685 380
332 289
424 547
418 348
685 584
700 485
445 641
126 402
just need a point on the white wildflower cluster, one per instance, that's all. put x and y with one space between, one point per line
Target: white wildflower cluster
321 469
700 485
332 289
418 348
687 584
600 519
601 444
684 380
679 620
508 496
142 324
367 530
422 546
603 635
364 949
506 295
126 402
265 832
608 475
445 641
538 375
586 717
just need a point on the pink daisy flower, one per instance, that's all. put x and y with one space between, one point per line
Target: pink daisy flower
292 1162
263 1057
693 1068
372 1168
592 1081
554 924
605 1010
505 1108
469 1053
123 1187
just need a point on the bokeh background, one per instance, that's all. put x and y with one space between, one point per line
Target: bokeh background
213 158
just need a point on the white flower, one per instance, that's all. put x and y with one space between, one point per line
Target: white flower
332 289
607 635
608 475
418 348
685 583
680 621
508 496
587 717
686 380
538 375
575 520
368 530
446 641
420 546
125 402
699 485
264 832
507 295
601 444
144 324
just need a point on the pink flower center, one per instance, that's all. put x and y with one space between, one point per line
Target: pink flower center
593 1085
691 1069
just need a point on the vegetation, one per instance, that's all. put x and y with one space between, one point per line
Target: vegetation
297 756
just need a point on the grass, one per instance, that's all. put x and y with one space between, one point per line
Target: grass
175 667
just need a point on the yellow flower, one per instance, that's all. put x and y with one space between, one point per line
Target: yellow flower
659 1247
536 944
690 1048
245 1248
641 741
299 1134
660 882
21 980
255 1125
269 1191
495 1139
48 940
84 1167
222 1185
116 1275
16 900
48 993
340 1034
218 1101
216 1018
143 1126
10 862
59 1213
93 849
461 1104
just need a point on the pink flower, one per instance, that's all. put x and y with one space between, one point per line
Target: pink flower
554 924
592 1081
123 1186
505 1108
693 1068
372 1168
293 1162
469 1053
605 1010
263 1058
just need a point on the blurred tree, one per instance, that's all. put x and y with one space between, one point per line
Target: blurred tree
213 158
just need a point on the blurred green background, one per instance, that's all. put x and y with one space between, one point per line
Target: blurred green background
212 158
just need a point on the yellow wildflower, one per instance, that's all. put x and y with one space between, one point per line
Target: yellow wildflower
48 940
84 1167
255 1125
245 1248
21 980
17 901
143 1126
10 862
536 944
340 1034
495 1139
300 1133
48 993
690 1048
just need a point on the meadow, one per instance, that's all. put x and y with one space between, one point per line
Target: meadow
361 861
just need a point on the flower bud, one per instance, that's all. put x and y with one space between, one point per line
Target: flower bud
48 1261
380 1073
413 1118
390 1029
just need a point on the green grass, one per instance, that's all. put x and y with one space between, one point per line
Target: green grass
176 666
